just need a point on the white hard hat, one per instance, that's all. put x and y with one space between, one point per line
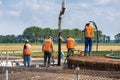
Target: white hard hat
26 40
51 37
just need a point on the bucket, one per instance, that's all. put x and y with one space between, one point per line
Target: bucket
62 54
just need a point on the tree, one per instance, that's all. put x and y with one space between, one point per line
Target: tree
46 32
7 39
104 39
32 33
65 33
99 35
37 34
117 37
19 39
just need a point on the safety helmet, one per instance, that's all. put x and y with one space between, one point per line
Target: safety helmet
26 40
51 37
87 24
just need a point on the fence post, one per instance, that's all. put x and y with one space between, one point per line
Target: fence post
7 56
1 56
6 75
77 73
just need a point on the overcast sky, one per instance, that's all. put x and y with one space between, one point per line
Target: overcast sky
17 15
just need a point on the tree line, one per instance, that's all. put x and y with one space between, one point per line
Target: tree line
37 34
117 38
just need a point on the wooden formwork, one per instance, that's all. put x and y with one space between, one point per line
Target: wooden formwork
94 62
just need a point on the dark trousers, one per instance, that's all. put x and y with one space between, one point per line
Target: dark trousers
47 57
70 52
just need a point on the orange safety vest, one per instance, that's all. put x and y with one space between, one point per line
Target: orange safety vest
70 43
47 45
89 32
27 50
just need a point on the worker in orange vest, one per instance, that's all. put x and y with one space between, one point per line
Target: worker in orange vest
26 53
47 47
70 45
89 34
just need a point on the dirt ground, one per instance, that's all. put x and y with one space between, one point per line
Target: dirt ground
57 73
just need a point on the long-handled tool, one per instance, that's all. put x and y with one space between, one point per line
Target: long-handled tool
96 34
53 57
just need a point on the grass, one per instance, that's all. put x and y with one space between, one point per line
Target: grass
108 44
16 47
33 55
101 44
105 52
40 54
11 44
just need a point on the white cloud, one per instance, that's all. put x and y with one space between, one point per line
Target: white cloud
14 13
113 16
45 13
106 2
103 2
1 13
84 5
0 2
32 4
37 20
40 5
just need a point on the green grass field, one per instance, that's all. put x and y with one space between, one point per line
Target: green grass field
40 54
101 44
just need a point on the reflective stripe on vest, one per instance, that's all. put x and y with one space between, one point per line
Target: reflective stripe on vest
27 51
89 32
70 43
47 45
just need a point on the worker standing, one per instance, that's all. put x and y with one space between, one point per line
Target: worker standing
70 45
47 47
89 34
26 53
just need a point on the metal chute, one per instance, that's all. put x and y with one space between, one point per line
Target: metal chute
62 11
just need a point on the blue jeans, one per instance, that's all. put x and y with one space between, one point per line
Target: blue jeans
88 46
27 60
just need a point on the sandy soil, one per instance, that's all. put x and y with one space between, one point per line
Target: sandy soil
37 47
